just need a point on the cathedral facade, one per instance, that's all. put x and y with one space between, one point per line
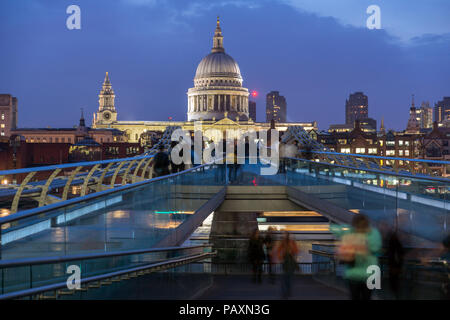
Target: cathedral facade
218 100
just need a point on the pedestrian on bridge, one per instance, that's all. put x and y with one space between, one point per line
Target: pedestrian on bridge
358 250
162 162
268 242
256 255
287 252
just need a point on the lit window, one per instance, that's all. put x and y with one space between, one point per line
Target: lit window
406 143
407 153
2 125
372 150
390 152
2 133
3 116
345 150
360 150
400 152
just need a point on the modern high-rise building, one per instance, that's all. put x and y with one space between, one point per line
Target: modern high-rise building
426 115
356 108
252 110
276 107
8 114
442 110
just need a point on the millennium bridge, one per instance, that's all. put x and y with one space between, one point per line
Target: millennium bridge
184 235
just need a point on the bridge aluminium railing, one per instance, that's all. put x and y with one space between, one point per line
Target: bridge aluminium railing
93 176
412 166
50 184
31 219
36 277
311 149
418 205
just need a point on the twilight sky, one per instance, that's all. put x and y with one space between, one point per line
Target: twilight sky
314 52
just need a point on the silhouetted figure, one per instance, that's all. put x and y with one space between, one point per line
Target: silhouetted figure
177 167
287 251
233 166
268 242
256 255
395 254
358 250
162 163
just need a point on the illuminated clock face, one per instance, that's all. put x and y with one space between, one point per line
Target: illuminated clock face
107 115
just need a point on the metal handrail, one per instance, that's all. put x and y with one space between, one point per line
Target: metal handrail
61 259
70 165
377 157
390 173
35 211
158 265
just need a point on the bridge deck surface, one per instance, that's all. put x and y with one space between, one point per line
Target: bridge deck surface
241 287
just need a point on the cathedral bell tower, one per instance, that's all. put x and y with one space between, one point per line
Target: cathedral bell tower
106 113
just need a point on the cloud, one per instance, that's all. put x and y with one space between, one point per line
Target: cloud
429 38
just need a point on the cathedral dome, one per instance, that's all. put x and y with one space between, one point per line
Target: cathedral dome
218 64
218 92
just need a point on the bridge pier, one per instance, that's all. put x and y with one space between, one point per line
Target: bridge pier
230 233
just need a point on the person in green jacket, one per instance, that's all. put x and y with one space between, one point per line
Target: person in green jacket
359 247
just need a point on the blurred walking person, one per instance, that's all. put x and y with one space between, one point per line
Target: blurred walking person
268 242
256 255
395 254
358 251
286 252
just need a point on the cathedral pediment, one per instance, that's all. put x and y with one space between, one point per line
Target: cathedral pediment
225 122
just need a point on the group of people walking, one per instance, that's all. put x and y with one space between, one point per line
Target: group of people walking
283 252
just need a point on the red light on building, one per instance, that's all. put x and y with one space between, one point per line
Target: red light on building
254 93
170 118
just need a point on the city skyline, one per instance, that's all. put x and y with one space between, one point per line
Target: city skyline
65 74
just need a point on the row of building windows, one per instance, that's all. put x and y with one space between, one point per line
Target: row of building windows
392 143
212 82
374 151
57 139
51 140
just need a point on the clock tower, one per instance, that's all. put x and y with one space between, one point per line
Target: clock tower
106 113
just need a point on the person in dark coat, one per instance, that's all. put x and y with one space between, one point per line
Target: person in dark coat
268 242
162 162
395 254
256 255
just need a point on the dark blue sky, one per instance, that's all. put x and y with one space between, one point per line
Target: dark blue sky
314 52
